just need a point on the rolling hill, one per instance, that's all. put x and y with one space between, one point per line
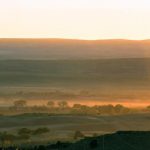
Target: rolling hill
77 65
121 140
72 49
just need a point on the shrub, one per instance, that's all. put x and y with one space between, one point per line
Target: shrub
24 131
40 131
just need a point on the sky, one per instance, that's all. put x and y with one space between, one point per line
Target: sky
75 19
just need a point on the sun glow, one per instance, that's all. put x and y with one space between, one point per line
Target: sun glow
79 19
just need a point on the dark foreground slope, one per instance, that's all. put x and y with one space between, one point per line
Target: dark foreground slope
117 141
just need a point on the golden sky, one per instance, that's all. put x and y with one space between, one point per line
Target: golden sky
76 19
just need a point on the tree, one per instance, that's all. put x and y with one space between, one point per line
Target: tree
119 109
77 106
148 108
20 104
24 131
76 109
78 134
107 109
7 139
40 131
63 104
50 104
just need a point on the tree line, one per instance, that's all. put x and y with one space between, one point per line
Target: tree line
63 107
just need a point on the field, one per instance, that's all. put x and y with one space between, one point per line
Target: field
49 71
101 80
63 127
81 73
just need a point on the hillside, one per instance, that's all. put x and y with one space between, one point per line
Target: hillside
121 140
118 141
63 127
72 49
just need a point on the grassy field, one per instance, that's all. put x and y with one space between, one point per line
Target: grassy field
73 73
112 80
107 79
63 127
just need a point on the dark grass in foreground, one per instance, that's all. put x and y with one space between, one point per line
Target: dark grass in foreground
121 140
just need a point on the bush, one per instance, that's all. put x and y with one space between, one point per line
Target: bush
24 131
40 131
78 134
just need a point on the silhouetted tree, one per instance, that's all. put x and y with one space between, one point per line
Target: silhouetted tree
24 131
40 131
78 134
63 104
7 139
148 108
119 108
20 104
77 106
50 104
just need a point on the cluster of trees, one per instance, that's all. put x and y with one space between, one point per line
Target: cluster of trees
62 107
23 134
38 131
20 104
100 110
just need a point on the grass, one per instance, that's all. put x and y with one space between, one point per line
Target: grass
107 78
64 126
75 72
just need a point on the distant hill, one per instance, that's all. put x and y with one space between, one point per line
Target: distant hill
72 49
